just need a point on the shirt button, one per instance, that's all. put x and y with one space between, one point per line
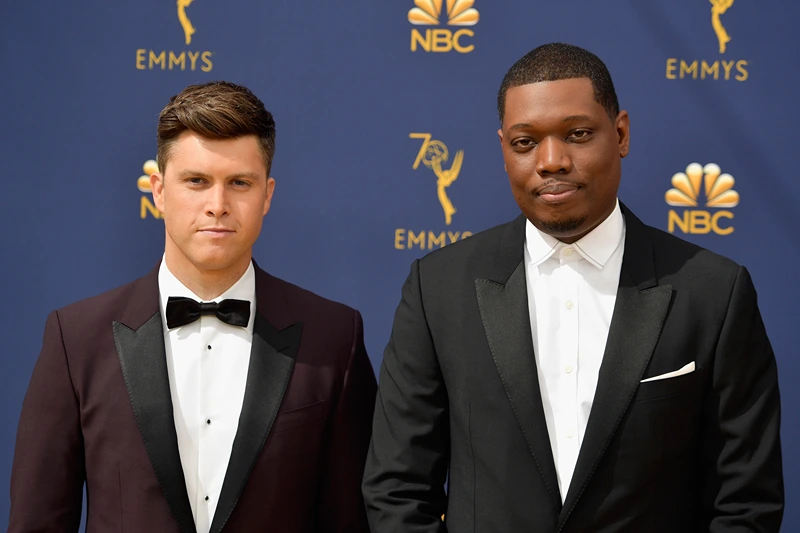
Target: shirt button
567 252
568 369
208 421
569 304
206 498
209 346
570 434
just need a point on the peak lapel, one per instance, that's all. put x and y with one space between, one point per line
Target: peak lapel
503 304
272 360
139 339
639 314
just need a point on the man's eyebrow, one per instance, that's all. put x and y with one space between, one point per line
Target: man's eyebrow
252 175
571 118
576 118
197 174
193 173
520 126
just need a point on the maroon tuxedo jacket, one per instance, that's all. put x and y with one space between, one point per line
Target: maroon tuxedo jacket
98 411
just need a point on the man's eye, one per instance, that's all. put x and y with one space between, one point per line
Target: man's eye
523 143
580 134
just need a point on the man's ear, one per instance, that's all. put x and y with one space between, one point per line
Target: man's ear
270 191
157 186
500 135
623 126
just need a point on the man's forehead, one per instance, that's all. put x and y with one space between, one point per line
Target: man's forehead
556 99
570 88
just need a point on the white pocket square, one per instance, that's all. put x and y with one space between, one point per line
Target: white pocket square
685 370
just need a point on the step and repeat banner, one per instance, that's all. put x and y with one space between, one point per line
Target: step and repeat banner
387 146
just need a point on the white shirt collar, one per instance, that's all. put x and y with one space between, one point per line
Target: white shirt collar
243 289
596 246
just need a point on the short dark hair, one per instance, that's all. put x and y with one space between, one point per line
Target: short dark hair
216 110
560 61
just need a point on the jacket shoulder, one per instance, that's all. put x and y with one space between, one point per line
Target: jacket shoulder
111 302
688 266
670 248
478 248
330 329
305 304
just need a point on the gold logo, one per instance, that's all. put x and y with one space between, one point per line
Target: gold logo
188 29
143 184
719 7
429 13
718 187
718 191
433 153
161 59
459 13
718 68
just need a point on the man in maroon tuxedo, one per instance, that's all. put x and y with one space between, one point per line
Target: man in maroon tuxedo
207 395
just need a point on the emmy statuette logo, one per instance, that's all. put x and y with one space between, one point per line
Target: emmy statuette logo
188 29
173 60
458 13
719 7
434 155
716 187
718 69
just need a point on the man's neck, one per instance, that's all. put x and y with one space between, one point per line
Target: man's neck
206 284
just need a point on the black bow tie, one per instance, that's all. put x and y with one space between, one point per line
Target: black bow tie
182 311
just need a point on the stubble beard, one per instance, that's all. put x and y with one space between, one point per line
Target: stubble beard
558 228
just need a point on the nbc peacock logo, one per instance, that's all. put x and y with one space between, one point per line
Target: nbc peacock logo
146 205
430 13
717 191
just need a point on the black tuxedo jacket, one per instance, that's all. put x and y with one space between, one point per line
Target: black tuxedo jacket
459 397
98 411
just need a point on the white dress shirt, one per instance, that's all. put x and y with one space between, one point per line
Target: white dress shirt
207 361
572 289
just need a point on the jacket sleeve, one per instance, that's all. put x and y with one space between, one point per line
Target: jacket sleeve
743 481
48 472
341 505
407 462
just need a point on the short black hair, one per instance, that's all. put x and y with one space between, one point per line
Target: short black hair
560 61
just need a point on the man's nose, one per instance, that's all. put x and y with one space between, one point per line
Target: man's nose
553 157
217 203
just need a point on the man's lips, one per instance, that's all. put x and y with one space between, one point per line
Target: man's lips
215 231
557 192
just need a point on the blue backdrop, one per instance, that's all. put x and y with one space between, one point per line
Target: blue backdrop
373 100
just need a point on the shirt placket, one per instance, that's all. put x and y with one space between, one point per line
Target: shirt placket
208 337
569 346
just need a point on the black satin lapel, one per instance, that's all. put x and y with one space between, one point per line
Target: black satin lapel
506 321
272 359
635 327
144 366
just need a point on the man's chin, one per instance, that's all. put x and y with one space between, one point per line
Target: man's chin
216 262
562 228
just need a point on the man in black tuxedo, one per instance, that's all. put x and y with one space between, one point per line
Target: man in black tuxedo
574 370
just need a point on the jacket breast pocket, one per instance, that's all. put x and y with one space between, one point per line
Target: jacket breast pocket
675 405
299 417
668 387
